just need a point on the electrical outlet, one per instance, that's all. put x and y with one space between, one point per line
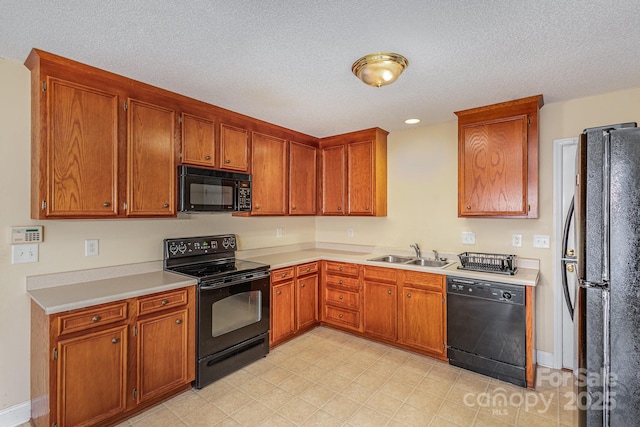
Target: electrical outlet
468 238
91 247
21 254
516 240
279 232
540 241
350 232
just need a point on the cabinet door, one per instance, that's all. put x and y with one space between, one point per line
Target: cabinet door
198 141
269 175
282 314
234 148
302 179
493 168
162 353
360 179
380 314
92 377
151 170
306 301
333 180
423 320
81 152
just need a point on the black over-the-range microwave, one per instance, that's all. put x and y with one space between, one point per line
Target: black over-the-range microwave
203 190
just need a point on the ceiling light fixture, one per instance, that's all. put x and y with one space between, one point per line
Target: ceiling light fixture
412 121
379 69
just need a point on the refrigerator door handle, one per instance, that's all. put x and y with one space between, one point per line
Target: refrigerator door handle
567 260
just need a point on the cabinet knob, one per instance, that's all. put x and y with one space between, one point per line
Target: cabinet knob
366 208
207 157
284 274
308 269
227 161
340 282
165 302
302 285
166 205
340 297
257 206
179 321
468 207
115 340
339 208
106 204
389 291
278 292
408 295
340 268
95 319
340 315
293 208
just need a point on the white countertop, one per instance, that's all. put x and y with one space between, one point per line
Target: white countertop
523 276
56 299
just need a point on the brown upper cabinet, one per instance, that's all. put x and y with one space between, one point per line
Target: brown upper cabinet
498 159
234 148
303 179
354 173
269 181
198 141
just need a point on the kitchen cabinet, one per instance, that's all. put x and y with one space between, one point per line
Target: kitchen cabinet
423 312
380 309
151 169
294 301
198 141
101 364
302 179
354 173
234 148
269 175
498 160
341 295
102 147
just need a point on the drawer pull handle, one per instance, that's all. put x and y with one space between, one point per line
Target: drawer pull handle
179 321
340 268
115 340
340 282
96 319
106 204
389 291
408 295
165 302
284 274
308 269
207 157
340 315
340 297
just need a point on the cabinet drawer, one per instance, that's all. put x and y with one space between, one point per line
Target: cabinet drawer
342 282
423 280
80 320
346 317
341 268
342 298
379 274
281 274
162 301
309 268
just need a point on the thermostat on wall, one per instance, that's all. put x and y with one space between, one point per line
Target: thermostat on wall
31 234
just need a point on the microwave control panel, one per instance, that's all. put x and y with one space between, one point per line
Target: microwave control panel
244 196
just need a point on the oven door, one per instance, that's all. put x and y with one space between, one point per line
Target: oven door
232 314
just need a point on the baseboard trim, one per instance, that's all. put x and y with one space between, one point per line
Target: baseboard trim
545 358
15 415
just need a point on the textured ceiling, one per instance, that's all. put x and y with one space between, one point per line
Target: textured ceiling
289 62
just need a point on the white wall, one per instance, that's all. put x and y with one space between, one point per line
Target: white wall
422 164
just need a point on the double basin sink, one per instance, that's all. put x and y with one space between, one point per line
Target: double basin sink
394 259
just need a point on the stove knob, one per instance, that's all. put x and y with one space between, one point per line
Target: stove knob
506 295
225 243
232 242
173 249
182 248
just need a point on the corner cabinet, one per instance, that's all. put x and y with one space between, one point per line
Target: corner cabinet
354 173
498 160
101 364
303 178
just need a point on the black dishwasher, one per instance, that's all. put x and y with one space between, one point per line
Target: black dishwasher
486 328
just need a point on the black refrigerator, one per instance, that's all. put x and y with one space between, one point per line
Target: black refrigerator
607 311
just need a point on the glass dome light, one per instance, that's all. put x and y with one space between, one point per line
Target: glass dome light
379 69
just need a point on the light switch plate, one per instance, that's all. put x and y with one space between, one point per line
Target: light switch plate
468 238
516 240
540 241
278 232
350 232
21 254
91 247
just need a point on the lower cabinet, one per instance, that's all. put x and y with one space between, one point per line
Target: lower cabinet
380 317
98 365
341 295
294 301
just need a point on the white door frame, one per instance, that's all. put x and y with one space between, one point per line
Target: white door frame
558 223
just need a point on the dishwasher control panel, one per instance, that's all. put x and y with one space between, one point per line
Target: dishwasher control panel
494 291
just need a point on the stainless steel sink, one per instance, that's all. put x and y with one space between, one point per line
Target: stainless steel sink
428 263
392 258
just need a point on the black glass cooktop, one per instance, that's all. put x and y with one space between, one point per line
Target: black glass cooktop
209 270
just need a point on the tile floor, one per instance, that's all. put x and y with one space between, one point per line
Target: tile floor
329 378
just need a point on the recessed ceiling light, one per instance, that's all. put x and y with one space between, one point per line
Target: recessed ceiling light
412 121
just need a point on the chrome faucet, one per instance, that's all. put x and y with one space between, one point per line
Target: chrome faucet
436 255
416 248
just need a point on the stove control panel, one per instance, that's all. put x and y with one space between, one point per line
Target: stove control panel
193 246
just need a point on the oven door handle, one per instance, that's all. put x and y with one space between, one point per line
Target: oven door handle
242 279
